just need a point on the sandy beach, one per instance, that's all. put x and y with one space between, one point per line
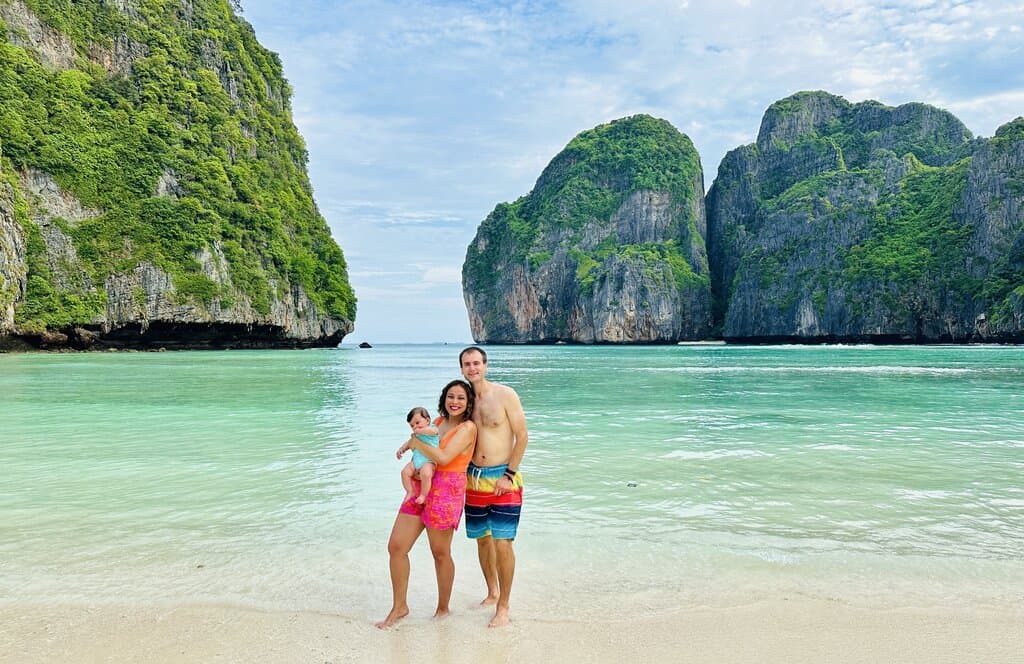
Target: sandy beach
785 630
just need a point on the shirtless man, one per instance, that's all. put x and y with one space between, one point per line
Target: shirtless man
494 488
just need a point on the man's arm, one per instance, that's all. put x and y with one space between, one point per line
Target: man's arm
517 422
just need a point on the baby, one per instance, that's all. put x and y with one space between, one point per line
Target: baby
419 421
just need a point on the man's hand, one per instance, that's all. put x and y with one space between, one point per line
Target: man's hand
503 486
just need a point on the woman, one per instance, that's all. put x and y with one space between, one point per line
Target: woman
439 515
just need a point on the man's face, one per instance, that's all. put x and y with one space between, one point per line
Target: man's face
473 366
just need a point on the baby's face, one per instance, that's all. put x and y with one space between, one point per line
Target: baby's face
418 422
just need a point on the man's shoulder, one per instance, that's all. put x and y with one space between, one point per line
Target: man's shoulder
504 391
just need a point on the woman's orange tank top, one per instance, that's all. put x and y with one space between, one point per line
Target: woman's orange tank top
460 463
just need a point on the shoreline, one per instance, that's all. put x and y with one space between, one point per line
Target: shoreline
784 629
18 344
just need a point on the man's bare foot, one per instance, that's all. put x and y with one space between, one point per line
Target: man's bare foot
500 618
441 613
393 617
490 600
420 500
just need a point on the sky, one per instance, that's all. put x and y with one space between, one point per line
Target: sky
421 116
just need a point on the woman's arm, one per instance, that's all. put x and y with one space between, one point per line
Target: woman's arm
460 442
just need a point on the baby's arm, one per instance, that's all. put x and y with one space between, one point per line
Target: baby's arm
427 430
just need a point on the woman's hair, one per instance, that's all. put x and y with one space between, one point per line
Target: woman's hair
470 398
418 410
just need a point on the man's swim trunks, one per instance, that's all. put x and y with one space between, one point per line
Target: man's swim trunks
443 506
486 513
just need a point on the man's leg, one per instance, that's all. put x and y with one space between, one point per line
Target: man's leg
506 568
489 566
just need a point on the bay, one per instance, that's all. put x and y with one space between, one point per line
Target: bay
657 477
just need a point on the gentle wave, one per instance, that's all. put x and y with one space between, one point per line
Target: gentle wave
715 454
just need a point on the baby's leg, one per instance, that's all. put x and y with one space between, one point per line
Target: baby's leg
426 479
407 474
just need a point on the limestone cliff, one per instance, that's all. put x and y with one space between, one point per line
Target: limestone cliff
153 188
608 247
865 222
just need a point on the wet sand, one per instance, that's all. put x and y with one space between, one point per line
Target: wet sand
791 630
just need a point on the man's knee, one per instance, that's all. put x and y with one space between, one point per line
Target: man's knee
503 546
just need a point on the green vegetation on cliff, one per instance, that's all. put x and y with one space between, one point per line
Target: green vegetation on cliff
914 232
862 220
194 101
588 181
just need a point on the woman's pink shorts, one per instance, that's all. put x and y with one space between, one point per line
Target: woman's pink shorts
443 508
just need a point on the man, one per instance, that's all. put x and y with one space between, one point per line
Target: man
494 488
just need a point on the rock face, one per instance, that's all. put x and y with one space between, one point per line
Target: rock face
12 260
25 29
160 198
842 222
862 222
608 247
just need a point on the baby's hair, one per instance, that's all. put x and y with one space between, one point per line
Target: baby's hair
418 410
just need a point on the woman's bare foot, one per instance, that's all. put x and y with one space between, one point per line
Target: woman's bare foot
500 618
393 617
490 600
441 613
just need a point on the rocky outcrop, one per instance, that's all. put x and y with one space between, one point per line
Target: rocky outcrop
50 202
144 310
12 260
143 307
607 248
55 49
992 206
842 222
119 57
862 222
161 201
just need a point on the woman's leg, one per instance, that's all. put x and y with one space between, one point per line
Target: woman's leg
404 533
444 567
426 480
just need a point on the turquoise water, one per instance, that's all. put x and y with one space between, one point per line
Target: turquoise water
657 477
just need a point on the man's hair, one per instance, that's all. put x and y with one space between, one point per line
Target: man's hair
418 410
478 349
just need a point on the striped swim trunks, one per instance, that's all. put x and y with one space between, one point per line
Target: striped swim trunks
486 513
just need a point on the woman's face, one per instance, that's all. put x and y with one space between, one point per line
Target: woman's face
455 401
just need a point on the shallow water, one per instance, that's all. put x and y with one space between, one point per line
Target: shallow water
656 476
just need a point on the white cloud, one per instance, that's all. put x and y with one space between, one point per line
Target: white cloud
443 275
